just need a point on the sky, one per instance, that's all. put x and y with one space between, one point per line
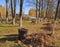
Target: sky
26 8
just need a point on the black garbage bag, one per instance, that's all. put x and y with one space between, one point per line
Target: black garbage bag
22 33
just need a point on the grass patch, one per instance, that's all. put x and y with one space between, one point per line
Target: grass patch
6 29
12 44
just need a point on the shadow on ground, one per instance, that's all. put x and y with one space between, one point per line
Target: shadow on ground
48 28
9 26
11 37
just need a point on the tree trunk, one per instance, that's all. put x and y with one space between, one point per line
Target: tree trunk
55 18
47 10
11 10
7 11
14 12
13 21
42 10
20 17
56 10
0 19
7 20
20 23
36 12
39 11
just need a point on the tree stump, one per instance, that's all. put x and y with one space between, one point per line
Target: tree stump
22 33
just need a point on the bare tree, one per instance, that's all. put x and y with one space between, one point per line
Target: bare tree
55 17
51 8
13 10
6 11
59 13
20 15
36 11
11 2
39 10
0 18
47 3
36 4
57 9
